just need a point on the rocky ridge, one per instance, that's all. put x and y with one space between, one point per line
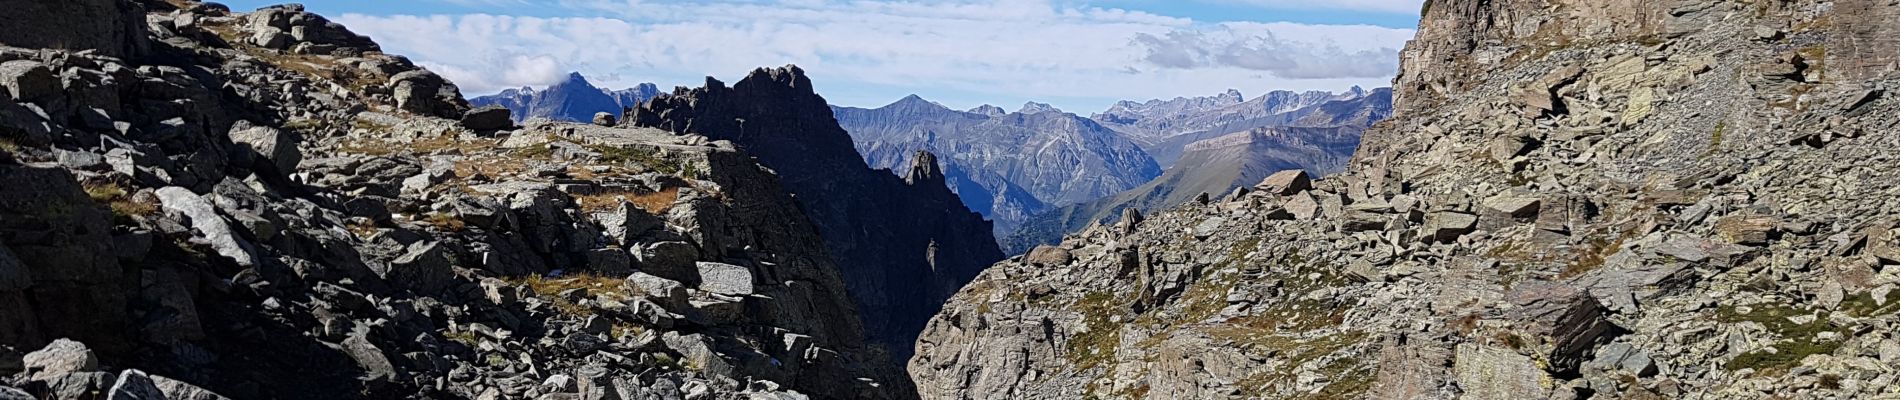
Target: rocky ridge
1685 199
264 205
904 244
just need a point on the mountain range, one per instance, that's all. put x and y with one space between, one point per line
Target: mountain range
573 99
1041 172
1006 167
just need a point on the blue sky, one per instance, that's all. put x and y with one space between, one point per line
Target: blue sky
1081 56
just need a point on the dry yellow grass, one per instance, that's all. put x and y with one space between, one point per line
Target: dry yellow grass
653 202
119 199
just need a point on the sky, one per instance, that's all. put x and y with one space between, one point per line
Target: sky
1081 56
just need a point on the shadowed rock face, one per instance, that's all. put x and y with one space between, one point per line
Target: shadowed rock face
112 27
903 246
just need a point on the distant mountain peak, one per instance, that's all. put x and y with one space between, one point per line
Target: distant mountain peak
571 99
1037 108
989 110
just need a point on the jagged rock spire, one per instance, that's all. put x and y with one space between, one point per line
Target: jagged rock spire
924 169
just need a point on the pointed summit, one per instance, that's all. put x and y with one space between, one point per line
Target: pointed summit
914 102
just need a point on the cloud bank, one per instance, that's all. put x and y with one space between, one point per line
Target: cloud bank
869 52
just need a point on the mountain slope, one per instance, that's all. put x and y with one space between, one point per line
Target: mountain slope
1359 111
1214 166
573 99
1574 199
1157 124
905 244
188 219
1006 166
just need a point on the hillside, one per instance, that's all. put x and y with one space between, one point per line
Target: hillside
1572 200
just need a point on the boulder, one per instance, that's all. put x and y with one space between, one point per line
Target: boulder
725 279
1286 183
62 357
488 119
1752 230
667 292
28 80
206 220
1447 226
274 145
1302 206
1563 322
375 366
604 119
79 385
135 385
671 260
1521 208
1049 256
427 269
179 390
627 223
609 262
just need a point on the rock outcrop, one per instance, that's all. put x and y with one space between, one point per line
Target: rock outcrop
1574 199
903 246
264 205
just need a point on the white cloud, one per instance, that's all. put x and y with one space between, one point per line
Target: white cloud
1389 6
1005 51
1279 50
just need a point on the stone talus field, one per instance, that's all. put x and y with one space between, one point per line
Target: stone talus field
1574 199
